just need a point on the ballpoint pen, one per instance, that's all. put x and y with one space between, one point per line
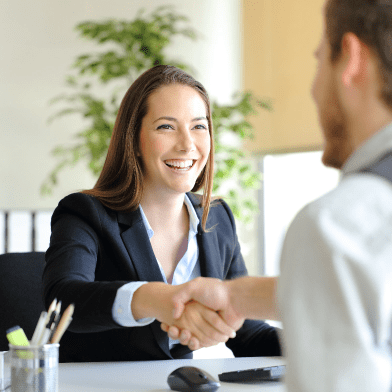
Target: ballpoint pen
52 307
50 325
63 324
40 334
39 329
55 321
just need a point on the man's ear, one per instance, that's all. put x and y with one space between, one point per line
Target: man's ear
354 53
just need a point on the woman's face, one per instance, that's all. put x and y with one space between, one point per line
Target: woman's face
174 139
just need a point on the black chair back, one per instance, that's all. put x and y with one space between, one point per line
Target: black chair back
20 292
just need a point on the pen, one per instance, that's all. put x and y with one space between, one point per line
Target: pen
50 325
55 321
51 309
39 329
63 324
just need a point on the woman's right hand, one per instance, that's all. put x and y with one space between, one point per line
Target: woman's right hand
200 327
155 299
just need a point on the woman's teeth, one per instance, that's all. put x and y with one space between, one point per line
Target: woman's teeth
180 164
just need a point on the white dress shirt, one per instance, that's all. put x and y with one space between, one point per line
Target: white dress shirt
188 268
335 286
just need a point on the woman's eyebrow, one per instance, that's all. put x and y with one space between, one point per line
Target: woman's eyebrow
175 120
166 118
199 118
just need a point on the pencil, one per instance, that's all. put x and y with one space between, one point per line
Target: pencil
63 324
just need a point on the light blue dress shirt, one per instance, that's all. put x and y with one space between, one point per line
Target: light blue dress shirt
187 269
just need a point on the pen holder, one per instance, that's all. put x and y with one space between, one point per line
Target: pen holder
5 370
34 368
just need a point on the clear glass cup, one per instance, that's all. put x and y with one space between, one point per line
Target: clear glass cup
34 368
5 370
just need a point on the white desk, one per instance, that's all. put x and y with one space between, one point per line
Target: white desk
152 375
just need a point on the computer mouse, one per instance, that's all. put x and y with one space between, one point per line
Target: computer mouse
189 378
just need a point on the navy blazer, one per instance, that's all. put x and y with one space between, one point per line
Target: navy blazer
95 250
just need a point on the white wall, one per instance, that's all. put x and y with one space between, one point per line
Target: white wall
291 181
38 45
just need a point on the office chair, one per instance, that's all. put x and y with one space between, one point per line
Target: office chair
20 292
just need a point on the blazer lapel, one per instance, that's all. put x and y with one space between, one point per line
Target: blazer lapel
209 254
142 256
139 248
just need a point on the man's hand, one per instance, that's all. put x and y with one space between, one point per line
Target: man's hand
210 292
202 324
250 297
157 299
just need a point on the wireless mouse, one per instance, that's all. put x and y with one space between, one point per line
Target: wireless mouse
189 378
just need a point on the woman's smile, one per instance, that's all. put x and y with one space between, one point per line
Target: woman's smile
180 164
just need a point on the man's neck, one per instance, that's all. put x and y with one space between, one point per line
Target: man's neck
366 124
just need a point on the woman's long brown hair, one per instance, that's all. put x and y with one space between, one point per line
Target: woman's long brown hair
120 184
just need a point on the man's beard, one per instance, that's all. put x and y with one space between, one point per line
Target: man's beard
335 147
336 140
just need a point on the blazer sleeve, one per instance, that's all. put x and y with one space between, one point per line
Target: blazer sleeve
255 338
72 261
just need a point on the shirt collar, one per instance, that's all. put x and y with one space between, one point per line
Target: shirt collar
150 231
375 147
193 219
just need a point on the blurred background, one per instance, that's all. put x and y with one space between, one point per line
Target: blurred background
262 46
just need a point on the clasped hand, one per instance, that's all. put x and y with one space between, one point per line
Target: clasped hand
203 315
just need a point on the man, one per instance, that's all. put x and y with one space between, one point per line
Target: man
335 288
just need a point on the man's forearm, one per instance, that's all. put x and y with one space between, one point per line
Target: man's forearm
235 300
254 297
247 297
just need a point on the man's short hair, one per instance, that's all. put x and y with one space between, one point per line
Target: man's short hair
371 22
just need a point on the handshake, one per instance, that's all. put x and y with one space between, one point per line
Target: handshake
206 311
203 314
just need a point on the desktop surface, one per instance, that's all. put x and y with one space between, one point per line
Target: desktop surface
152 375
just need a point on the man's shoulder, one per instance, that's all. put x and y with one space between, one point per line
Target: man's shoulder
360 199
357 190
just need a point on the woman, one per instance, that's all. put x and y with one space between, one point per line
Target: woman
118 250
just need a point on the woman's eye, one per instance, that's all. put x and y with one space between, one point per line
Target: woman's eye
200 126
165 126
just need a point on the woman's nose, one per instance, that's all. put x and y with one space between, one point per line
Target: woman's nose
186 142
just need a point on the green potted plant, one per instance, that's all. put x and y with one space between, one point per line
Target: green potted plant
130 48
